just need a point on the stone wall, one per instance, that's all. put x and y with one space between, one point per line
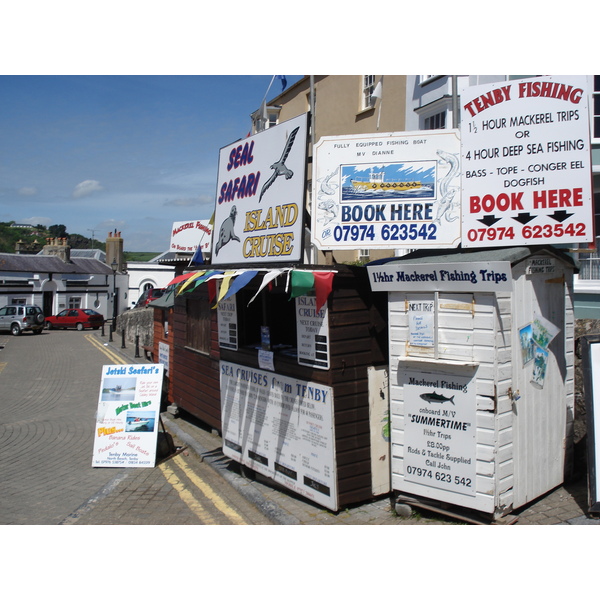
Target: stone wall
137 321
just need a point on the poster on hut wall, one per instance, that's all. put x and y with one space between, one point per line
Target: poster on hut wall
282 428
227 323
312 330
260 197
440 431
128 414
525 148
388 190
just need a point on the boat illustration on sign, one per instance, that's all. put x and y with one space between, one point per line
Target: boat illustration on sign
437 398
376 181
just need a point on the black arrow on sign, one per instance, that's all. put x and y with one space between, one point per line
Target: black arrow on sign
489 220
560 215
524 218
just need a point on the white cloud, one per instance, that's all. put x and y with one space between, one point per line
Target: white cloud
27 191
37 221
87 187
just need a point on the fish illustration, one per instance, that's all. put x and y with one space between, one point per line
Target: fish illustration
446 201
435 397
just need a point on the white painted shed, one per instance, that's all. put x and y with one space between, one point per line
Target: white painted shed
481 375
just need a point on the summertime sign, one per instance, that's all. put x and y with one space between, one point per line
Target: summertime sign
526 163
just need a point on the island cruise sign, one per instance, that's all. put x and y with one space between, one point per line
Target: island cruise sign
260 197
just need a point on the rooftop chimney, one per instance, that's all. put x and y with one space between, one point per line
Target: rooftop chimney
114 250
57 247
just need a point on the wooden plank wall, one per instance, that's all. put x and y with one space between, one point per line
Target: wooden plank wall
358 339
195 375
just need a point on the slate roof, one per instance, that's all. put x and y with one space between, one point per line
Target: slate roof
32 263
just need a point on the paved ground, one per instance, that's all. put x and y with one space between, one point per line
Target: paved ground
46 430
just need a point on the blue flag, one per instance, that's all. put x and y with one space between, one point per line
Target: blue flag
283 81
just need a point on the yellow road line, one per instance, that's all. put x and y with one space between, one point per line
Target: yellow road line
170 475
115 358
2 365
186 496
213 496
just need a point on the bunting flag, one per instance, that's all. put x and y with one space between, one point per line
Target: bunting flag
323 286
180 278
270 276
224 286
189 280
302 283
212 289
240 281
202 279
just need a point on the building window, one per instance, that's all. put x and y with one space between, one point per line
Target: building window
20 301
75 302
590 261
437 121
596 104
425 79
364 254
367 91
198 324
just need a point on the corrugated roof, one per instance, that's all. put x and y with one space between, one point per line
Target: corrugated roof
513 254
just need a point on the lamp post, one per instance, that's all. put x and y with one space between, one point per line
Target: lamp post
114 266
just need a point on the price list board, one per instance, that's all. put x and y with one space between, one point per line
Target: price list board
526 163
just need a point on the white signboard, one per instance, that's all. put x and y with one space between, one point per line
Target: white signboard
260 197
187 235
312 329
227 322
128 415
389 190
439 431
281 427
526 163
435 277
421 323
163 356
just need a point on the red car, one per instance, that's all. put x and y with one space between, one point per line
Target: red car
149 295
80 318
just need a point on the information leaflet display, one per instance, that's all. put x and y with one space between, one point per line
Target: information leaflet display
282 428
526 163
392 190
439 431
227 321
312 332
128 414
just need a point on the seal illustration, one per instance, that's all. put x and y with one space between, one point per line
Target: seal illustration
279 167
226 233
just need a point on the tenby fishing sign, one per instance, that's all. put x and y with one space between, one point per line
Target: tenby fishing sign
389 190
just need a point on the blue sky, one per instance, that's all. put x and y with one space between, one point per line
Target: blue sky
132 153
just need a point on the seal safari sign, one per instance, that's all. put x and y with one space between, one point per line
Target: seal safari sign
260 196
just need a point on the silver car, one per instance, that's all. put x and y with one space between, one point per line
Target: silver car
18 318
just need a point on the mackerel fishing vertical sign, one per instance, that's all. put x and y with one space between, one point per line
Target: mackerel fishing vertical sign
439 432
126 432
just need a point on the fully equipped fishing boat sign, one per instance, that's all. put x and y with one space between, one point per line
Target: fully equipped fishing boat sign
389 190
260 197
526 163
128 412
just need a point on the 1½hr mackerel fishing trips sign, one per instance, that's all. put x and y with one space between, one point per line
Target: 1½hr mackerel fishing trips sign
260 197
526 163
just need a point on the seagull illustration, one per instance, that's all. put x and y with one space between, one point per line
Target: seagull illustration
279 166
